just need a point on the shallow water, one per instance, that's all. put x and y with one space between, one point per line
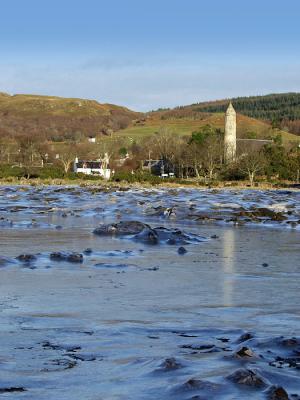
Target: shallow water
102 329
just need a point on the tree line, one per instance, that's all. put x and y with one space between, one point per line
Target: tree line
199 156
270 107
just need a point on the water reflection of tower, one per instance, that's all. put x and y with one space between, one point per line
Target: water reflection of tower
229 265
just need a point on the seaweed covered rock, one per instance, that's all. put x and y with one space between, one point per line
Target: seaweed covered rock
277 393
145 234
26 258
170 364
68 257
247 377
121 228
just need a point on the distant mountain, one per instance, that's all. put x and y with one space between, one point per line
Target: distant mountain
60 118
282 110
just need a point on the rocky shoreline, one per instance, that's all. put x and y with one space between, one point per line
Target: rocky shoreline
193 184
149 293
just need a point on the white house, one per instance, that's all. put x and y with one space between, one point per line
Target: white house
92 139
98 167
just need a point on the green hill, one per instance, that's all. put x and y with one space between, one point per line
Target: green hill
282 110
184 122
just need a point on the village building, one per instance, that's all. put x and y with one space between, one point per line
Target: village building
91 139
96 168
160 168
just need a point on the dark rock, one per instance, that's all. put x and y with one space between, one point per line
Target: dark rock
289 362
244 337
265 265
82 357
106 265
156 211
182 334
121 228
64 363
12 390
282 342
170 364
199 347
223 339
181 250
247 377
69 257
197 398
144 233
176 236
26 258
269 214
147 236
277 393
88 251
152 269
75 258
198 384
244 352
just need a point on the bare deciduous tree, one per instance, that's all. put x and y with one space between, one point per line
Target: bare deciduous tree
212 153
67 155
207 150
251 162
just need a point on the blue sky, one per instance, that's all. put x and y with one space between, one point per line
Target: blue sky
147 54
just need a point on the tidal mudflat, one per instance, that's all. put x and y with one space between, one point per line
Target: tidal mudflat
149 294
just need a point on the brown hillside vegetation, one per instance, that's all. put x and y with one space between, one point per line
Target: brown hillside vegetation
59 118
184 122
282 110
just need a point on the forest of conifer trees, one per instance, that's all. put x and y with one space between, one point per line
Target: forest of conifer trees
283 110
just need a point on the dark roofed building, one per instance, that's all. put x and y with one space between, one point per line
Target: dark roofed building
158 167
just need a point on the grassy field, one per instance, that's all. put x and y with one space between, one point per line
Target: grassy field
246 128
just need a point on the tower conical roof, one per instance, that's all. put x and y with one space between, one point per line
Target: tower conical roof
230 109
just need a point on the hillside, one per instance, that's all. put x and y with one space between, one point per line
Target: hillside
184 123
60 118
283 109
270 107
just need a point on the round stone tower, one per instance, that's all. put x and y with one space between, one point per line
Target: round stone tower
230 134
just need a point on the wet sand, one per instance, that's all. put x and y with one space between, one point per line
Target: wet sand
103 328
